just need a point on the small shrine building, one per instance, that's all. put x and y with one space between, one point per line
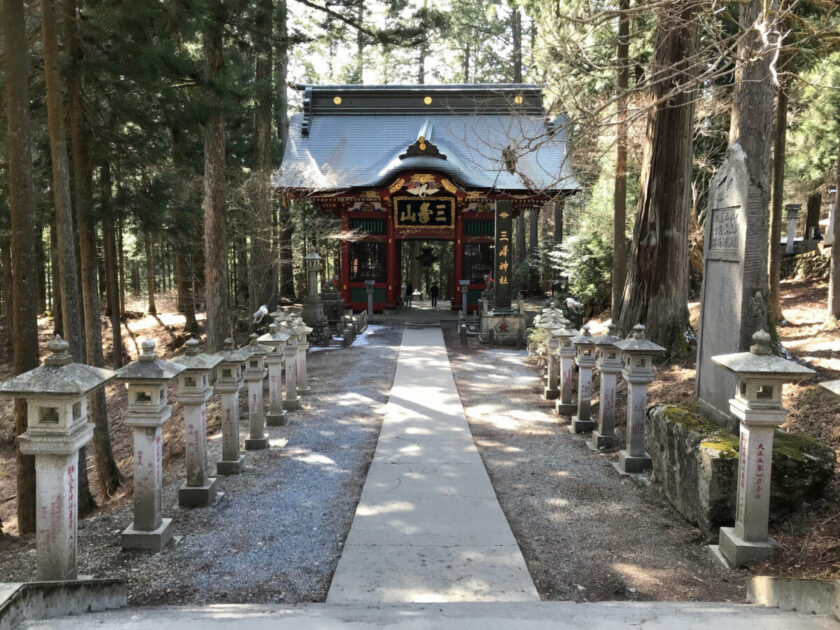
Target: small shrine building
397 163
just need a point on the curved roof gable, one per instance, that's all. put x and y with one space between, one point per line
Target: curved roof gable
362 136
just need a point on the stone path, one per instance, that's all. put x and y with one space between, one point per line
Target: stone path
428 527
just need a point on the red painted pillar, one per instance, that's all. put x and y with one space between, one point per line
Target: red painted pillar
458 275
345 262
393 279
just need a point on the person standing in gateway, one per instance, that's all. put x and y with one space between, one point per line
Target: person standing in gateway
433 293
409 292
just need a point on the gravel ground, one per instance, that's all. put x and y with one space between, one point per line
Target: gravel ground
278 532
587 534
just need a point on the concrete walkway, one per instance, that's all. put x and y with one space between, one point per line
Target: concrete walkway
488 616
428 527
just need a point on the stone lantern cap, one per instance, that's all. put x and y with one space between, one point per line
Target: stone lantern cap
148 367
608 339
231 354
302 329
196 361
585 338
549 321
636 343
761 362
832 386
58 376
255 348
275 336
562 331
280 316
313 260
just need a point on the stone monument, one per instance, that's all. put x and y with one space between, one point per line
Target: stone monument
609 366
734 296
147 411
585 360
56 395
276 338
792 210
254 376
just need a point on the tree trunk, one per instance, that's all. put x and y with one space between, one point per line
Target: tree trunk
656 290
215 229
360 43
150 271
69 279
620 191
752 107
112 288
284 228
109 475
466 66
516 28
7 284
774 245
58 318
834 278
261 267
41 263
121 264
24 324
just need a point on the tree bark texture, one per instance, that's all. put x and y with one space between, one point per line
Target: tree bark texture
620 190
215 229
516 28
834 275
150 271
656 290
71 306
24 324
776 211
559 206
533 232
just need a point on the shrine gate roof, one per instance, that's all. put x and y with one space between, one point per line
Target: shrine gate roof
359 136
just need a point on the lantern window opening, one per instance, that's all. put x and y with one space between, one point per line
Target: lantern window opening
764 392
189 381
254 364
162 393
743 389
77 410
143 397
48 415
640 362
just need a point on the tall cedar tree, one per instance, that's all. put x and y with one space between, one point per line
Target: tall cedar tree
620 190
71 308
656 290
23 236
106 466
215 232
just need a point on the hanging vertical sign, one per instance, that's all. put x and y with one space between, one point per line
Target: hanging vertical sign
502 268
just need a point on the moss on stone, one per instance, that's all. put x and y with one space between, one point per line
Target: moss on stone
796 446
725 443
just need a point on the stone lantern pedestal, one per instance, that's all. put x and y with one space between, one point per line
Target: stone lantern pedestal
792 210
758 405
146 413
57 428
637 357
585 360
254 376
291 401
194 390
564 405
228 384
549 321
465 291
609 365
302 330
276 339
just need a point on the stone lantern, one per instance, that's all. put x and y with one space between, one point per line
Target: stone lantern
146 412
276 337
564 405
758 405
228 384
637 358
302 330
56 396
291 402
312 261
608 363
254 376
194 390
792 210
550 323
585 360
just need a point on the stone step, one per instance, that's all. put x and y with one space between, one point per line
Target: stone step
460 616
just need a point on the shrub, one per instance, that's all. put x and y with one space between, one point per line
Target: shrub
586 260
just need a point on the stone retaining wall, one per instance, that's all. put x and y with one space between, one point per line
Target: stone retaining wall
696 463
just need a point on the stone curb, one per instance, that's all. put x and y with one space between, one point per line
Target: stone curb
43 600
818 597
